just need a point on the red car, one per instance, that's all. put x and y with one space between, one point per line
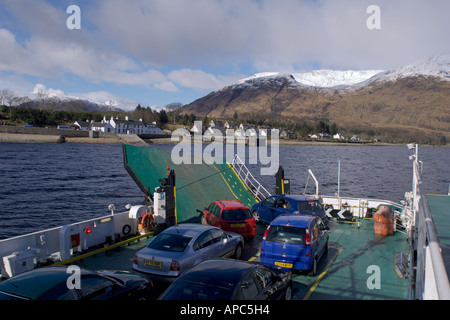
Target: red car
230 215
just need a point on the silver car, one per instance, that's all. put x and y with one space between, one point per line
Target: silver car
183 246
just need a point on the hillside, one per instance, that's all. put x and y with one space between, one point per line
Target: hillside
72 104
408 103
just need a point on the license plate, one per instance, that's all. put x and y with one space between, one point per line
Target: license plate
153 263
284 264
238 225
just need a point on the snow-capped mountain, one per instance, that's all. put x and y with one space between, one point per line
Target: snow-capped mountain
317 78
435 66
334 78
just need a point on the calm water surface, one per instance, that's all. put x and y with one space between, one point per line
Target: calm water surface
48 185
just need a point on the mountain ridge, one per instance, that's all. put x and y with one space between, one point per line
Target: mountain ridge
414 97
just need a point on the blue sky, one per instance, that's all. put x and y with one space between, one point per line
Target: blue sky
155 52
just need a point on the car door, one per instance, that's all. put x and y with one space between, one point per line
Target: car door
248 289
267 209
202 246
265 280
323 236
220 246
208 212
214 217
282 206
318 237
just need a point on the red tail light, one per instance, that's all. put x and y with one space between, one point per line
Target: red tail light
174 265
307 237
265 233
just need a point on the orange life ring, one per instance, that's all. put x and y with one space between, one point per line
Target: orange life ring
147 222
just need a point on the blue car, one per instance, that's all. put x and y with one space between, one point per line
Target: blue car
295 242
273 206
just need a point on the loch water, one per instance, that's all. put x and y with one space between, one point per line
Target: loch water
44 185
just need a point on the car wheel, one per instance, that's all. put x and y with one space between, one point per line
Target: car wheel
288 292
238 251
313 270
256 216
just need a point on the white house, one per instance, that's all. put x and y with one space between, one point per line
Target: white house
338 136
216 124
115 125
197 128
82 125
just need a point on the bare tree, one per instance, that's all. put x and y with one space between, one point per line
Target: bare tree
5 96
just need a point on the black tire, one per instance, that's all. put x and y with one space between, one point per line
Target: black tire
288 292
238 252
313 270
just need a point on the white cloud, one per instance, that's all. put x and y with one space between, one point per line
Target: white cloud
288 33
174 45
40 89
199 80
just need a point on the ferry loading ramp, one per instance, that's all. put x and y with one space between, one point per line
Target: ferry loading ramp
197 185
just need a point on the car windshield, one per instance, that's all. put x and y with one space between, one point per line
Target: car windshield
170 242
309 206
286 234
187 290
236 214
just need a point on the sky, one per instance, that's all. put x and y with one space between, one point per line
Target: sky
156 52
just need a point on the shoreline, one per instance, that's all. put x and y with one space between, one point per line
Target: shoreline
39 138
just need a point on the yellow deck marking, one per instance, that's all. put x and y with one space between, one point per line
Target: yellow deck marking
319 278
226 182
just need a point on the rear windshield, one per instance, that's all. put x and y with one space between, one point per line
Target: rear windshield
170 242
309 206
187 290
236 214
286 234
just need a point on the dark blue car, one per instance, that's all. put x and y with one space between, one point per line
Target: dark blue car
275 205
294 242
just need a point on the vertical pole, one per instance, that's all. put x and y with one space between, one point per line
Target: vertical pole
339 178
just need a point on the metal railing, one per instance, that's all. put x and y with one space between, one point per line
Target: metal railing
431 279
252 184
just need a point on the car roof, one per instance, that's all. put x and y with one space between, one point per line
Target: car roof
34 283
188 229
230 271
296 197
295 220
231 204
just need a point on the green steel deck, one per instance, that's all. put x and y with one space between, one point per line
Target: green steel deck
343 274
440 211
